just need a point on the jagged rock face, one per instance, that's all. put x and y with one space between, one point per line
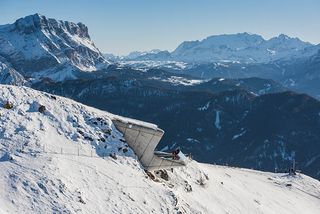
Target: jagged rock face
217 123
31 24
37 46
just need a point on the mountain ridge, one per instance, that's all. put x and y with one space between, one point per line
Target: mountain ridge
38 47
243 47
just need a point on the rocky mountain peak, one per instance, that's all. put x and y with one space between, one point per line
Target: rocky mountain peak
37 47
287 42
29 24
37 22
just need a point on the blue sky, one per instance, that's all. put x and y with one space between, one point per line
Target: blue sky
121 26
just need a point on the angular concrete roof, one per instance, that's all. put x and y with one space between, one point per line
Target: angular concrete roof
143 138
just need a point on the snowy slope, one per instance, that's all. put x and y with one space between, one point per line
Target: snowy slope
60 165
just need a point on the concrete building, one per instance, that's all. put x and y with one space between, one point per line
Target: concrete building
143 138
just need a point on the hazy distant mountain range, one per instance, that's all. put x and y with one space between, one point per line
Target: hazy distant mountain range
237 48
289 61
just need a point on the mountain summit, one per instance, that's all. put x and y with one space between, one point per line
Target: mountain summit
241 47
33 23
37 46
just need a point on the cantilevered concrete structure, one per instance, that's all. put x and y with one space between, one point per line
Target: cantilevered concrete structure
143 138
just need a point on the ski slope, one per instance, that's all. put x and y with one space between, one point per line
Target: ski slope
57 162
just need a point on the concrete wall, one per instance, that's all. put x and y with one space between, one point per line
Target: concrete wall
143 139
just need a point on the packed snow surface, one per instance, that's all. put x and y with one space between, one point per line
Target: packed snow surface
58 161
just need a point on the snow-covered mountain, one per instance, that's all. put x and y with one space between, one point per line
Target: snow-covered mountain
241 48
111 57
9 75
57 162
38 47
144 54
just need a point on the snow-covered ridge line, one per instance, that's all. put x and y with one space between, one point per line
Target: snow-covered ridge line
30 24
